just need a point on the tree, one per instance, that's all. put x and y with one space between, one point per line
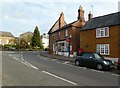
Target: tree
25 39
36 40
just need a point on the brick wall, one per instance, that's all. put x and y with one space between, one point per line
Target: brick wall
88 41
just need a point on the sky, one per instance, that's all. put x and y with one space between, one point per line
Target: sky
20 16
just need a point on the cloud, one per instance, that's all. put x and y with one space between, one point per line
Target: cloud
19 16
38 1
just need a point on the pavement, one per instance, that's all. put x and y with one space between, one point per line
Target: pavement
54 56
71 59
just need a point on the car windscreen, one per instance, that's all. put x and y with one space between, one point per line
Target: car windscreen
87 55
97 56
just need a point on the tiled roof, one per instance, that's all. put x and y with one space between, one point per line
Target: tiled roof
6 34
103 21
66 26
57 24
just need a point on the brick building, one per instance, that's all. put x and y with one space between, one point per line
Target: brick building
64 38
102 35
6 38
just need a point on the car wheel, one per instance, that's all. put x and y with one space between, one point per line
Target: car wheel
99 67
77 63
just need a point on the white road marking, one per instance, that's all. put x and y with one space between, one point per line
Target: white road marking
66 62
27 63
24 62
16 59
115 74
9 54
84 67
96 71
30 65
54 59
59 77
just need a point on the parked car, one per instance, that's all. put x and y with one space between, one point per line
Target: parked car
94 60
118 64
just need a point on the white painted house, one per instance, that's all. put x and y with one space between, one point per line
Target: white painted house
45 40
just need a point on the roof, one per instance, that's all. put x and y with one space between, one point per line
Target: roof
58 24
6 34
26 33
103 21
67 25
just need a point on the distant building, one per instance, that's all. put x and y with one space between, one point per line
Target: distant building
45 40
26 38
102 35
6 38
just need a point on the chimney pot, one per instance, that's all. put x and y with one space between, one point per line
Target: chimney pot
90 16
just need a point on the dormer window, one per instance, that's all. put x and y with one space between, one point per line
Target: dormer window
102 32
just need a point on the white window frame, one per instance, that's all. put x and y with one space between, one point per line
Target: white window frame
66 33
101 32
102 48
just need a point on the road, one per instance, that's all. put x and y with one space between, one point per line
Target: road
28 68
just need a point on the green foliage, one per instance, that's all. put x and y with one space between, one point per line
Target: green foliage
7 46
36 40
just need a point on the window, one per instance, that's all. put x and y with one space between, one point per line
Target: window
58 35
102 32
0 41
66 33
7 41
53 37
103 49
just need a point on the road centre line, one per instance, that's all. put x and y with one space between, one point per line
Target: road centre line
59 77
24 62
30 65
27 63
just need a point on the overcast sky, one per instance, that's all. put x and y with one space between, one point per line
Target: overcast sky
19 16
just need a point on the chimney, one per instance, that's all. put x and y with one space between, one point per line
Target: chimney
90 16
61 20
81 14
